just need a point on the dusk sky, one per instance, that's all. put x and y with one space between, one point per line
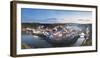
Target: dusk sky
48 15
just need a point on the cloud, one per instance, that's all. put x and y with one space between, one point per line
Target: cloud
60 20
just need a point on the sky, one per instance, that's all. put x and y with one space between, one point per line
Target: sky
51 15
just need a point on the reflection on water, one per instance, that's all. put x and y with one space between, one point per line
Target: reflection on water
34 41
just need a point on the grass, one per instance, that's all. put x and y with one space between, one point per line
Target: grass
25 46
87 43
